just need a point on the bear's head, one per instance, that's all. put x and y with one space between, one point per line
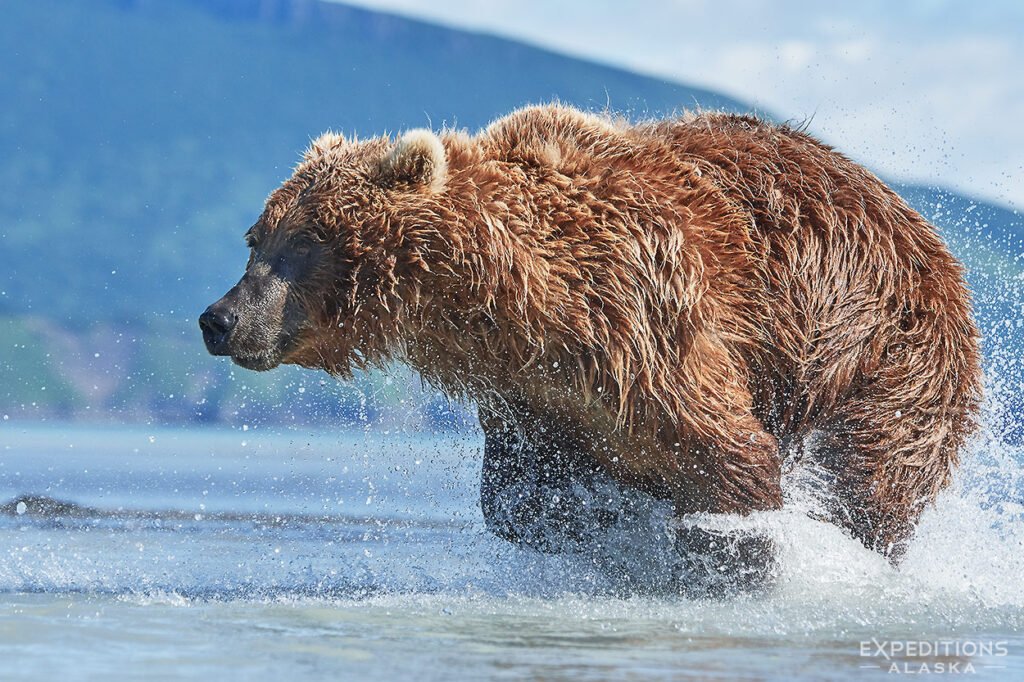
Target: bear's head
334 257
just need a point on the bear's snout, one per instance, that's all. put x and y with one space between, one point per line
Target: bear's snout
217 322
257 323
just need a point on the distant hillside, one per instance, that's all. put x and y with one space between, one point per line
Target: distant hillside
140 138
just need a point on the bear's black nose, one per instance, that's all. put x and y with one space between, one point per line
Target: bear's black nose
217 324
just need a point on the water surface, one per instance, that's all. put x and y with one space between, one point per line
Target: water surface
215 553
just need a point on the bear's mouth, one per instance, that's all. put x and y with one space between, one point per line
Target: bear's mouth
257 363
260 360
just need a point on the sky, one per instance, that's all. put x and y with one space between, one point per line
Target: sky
920 90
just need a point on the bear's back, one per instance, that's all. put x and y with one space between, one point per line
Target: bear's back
784 178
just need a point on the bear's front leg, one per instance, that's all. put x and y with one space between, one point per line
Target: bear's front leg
723 562
722 551
540 488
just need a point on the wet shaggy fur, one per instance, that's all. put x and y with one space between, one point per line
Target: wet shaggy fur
674 298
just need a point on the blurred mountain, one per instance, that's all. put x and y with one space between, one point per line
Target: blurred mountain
141 138
138 140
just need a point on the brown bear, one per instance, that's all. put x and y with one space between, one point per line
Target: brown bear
674 304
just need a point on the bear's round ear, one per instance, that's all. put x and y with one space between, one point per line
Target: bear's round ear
416 161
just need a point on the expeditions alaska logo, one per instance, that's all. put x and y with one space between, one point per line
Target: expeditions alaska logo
932 657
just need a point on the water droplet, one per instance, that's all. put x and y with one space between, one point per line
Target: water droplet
21 508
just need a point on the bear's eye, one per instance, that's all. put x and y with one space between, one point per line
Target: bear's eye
302 248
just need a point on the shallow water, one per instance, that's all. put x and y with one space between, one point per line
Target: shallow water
200 554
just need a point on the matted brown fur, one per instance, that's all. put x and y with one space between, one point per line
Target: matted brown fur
683 295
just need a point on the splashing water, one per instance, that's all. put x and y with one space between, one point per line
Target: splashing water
319 538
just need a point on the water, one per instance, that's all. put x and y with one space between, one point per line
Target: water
203 554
